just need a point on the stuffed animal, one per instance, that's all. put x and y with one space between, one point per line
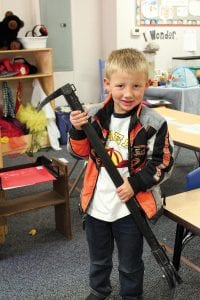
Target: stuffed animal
9 28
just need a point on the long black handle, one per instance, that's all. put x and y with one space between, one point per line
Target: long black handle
133 206
68 91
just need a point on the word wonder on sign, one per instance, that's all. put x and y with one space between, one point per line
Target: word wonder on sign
168 35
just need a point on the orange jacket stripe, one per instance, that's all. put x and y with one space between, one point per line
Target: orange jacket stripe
147 202
166 156
90 179
82 147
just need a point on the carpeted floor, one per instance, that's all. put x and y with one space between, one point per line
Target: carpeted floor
48 267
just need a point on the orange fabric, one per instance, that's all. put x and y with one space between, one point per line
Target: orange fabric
166 157
106 100
80 147
89 183
17 143
134 132
139 109
18 101
147 202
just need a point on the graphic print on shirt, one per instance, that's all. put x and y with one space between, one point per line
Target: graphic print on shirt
106 204
117 143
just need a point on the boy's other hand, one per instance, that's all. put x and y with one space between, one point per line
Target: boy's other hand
125 191
78 119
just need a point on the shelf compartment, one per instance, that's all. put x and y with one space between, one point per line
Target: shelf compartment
31 76
30 202
22 144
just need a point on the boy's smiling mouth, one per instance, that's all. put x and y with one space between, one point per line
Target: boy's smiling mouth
127 102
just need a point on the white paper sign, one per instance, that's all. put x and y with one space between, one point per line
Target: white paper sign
190 40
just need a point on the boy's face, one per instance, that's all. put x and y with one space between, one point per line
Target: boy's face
127 89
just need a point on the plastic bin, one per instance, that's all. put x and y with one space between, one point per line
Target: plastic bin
33 42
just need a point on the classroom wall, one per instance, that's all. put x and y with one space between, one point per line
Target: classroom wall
168 47
97 28
22 8
86 43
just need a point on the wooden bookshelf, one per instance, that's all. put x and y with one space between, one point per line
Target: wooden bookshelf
42 59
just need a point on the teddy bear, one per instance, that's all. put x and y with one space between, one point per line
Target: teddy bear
9 28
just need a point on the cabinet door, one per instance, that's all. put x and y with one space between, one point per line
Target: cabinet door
56 16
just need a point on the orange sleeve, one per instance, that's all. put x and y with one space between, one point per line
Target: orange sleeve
80 147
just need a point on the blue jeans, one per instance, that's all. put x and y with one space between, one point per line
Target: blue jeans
100 237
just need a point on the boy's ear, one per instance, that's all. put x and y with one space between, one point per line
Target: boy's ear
148 82
106 83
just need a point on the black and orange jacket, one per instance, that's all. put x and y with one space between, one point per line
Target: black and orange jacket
150 153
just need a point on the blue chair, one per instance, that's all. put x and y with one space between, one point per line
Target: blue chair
101 76
183 236
193 179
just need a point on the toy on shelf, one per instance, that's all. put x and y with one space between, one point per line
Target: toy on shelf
9 28
35 38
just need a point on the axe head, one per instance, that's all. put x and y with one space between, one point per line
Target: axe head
49 98
68 91
65 90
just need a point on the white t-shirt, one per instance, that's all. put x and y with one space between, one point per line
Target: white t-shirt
105 204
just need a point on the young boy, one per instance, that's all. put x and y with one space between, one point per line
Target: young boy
138 142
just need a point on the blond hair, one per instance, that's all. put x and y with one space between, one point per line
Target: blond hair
126 60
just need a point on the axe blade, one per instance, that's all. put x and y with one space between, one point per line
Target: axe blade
49 98
65 90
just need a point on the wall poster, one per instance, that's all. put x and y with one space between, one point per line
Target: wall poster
168 13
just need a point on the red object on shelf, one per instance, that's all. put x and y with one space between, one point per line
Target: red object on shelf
21 68
9 129
7 64
24 177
